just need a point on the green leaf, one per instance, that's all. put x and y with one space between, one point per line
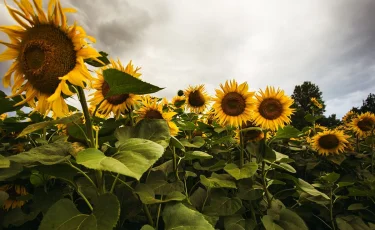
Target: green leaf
156 180
134 157
102 58
223 206
197 142
107 211
286 133
147 195
247 171
121 83
4 162
34 127
3 197
176 143
356 206
234 222
336 158
61 171
156 130
308 188
290 220
191 155
13 170
179 217
62 215
331 177
284 166
49 154
310 118
269 224
351 223
218 181
7 105
147 227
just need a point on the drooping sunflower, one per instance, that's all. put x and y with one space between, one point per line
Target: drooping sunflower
272 109
233 103
249 135
178 101
151 109
316 102
348 117
197 99
119 103
329 142
13 191
49 54
363 124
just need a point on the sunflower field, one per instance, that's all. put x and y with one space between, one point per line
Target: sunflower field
128 160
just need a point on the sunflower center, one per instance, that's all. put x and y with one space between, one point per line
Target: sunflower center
270 108
329 141
116 99
47 53
365 124
196 99
233 104
153 114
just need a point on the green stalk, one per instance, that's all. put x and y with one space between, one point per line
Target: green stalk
90 135
242 149
264 183
148 214
331 211
372 151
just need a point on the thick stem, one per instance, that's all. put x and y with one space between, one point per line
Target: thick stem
264 183
242 149
331 211
148 214
90 135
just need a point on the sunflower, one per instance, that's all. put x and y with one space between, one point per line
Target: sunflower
3 116
151 109
249 135
272 109
98 113
178 101
363 124
197 99
48 56
329 142
348 117
233 103
14 191
316 102
118 103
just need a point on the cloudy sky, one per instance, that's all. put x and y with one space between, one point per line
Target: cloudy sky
181 43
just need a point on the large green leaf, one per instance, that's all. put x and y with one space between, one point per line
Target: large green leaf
223 206
34 127
48 154
247 171
138 154
64 215
156 130
287 132
351 223
308 188
218 181
191 155
121 83
133 158
179 217
283 218
4 162
107 211
147 195
196 142
13 170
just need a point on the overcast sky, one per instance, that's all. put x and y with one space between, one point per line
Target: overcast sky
328 42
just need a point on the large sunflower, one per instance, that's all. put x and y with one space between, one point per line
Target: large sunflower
48 55
118 103
233 103
363 124
272 109
330 142
14 191
151 109
197 99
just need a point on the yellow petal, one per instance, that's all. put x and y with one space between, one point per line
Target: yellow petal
9 54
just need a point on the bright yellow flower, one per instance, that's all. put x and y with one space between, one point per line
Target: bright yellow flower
116 104
363 124
316 102
197 99
330 142
272 109
48 54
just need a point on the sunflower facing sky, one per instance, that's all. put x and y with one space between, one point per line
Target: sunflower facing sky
116 104
330 142
151 109
48 54
197 99
272 109
363 124
233 103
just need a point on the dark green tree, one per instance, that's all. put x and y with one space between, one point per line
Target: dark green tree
368 105
302 95
331 121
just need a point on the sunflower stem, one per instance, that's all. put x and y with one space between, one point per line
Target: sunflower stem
97 107
331 211
242 149
90 135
